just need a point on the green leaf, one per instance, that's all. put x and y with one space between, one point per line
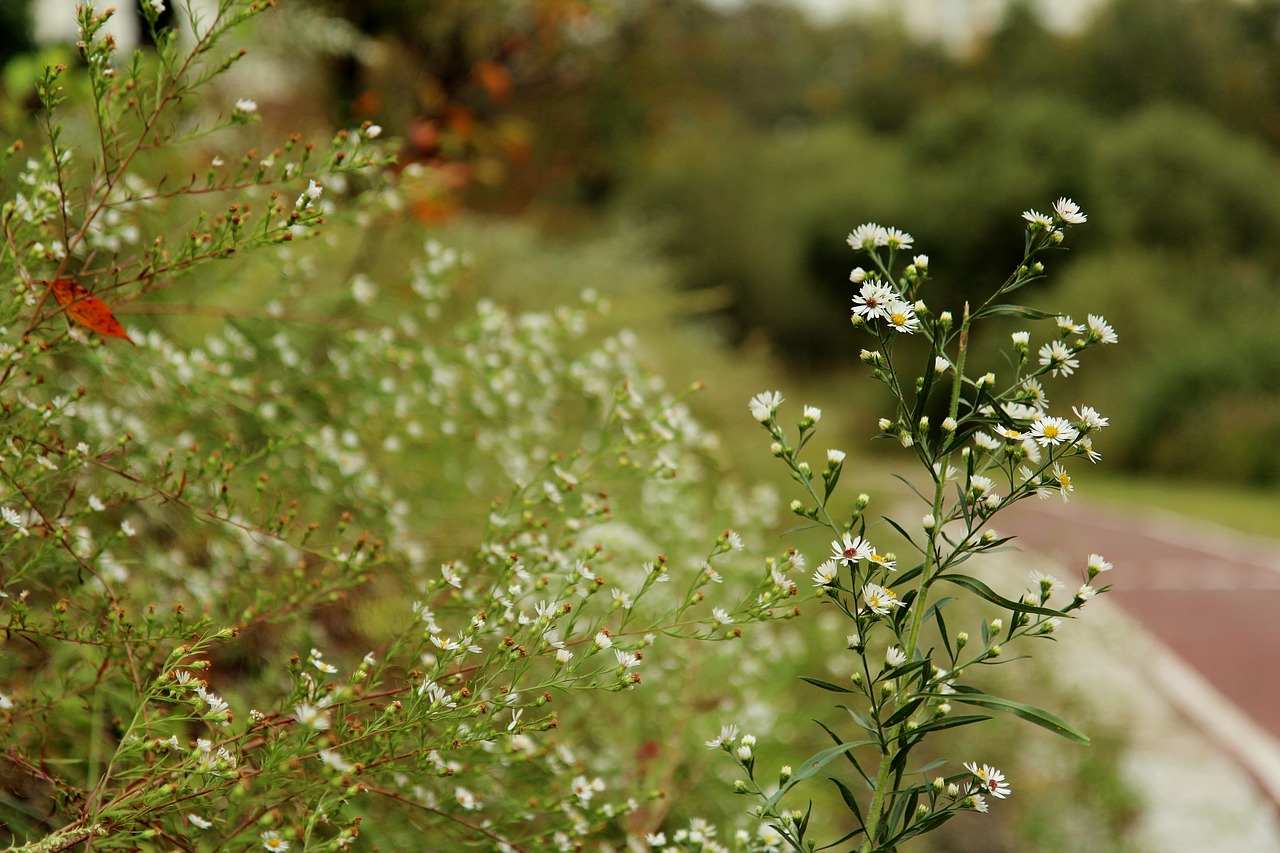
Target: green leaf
904 712
826 685
850 800
981 590
1013 311
812 766
950 722
1029 713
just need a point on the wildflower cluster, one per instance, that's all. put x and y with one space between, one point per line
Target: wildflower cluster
998 441
358 559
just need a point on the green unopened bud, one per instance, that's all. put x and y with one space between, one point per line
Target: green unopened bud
961 639
922 810
777 449
740 787
938 784
943 709
989 536
804 469
784 775
888 687
945 320
924 422
797 507
994 651
856 679
862 502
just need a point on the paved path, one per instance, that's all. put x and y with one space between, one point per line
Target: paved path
1208 595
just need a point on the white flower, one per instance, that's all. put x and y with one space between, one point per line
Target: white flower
850 549
363 290
127 529
764 404
902 316
199 822
1057 357
373 131
921 262
721 616
879 599
1068 211
272 841
158 7
894 656
1090 418
826 574
96 504
603 641
895 239
873 300
247 106
813 413
1035 217
6 704
1052 431
310 716
835 457
335 760
1044 582
866 236
466 799
857 275
728 734
13 518
1098 564
990 778
1067 326
1099 327
1020 339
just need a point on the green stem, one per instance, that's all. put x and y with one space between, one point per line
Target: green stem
877 801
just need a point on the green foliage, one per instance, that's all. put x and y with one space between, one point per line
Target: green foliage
328 552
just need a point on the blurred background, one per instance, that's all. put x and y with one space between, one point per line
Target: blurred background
702 162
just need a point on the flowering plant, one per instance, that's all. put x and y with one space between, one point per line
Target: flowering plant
319 557
995 444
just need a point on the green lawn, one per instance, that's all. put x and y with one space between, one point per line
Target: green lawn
1249 509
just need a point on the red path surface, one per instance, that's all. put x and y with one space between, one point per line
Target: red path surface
1212 597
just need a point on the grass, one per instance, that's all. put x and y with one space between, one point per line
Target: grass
1247 509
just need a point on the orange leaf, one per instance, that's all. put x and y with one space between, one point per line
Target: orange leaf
87 310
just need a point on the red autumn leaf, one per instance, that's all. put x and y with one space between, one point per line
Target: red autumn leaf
87 310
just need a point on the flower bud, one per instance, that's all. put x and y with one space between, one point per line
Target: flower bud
784 775
949 425
961 639
777 449
885 424
997 625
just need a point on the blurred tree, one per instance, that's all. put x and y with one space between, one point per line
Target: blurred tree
15 29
